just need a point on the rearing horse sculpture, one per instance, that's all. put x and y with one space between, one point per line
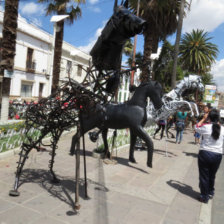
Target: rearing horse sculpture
131 114
73 100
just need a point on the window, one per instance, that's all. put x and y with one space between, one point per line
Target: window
79 72
30 64
41 88
26 89
69 67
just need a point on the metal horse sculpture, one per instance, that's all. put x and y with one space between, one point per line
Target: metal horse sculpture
173 100
131 114
72 101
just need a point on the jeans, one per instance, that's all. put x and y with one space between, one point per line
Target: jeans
179 135
208 164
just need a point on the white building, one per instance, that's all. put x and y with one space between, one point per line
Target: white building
33 62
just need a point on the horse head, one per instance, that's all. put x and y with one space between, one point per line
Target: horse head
126 22
156 94
153 90
193 83
197 82
107 51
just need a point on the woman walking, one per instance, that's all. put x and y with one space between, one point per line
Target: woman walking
210 152
180 125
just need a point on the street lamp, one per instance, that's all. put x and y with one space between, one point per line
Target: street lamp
54 19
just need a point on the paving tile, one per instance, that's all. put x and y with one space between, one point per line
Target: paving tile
19 215
48 220
5 205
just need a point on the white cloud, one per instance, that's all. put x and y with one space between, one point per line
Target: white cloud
92 2
218 73
204 14
1 8
87 48
32 8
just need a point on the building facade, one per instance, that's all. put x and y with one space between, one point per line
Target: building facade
31 79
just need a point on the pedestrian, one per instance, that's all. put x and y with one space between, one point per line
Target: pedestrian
210 152
180 125
196 138
170 122
161 125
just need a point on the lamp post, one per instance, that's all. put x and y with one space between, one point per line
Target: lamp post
54 19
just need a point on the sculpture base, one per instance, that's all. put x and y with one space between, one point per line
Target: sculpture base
14 193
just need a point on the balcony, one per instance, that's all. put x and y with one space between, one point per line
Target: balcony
30 66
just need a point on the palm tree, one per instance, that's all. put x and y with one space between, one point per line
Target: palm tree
196 52
62 7
177 43
8 51
162 19
128 48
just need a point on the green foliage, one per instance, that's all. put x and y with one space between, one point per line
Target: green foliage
15 126
207 79
163 67
128 48
68 7
197 53
138 59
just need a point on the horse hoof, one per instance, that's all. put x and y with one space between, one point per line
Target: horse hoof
14 193
132 160
149 165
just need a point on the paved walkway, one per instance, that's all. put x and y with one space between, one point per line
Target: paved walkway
123 193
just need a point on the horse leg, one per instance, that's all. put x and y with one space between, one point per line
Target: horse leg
51 162
106 148
132 147
23 156
74 142
145 137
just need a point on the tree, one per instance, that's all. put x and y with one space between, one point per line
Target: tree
128 48
207 79
196 52
162 19
62 7
163 67
8 51
177 43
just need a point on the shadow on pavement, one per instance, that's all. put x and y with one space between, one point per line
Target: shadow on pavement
183 188
163 152
62 190
195 155
126 162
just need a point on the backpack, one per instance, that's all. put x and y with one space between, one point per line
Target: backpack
180 126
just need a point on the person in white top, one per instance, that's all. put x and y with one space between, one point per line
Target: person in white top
210 152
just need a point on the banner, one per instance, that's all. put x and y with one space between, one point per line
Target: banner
210 94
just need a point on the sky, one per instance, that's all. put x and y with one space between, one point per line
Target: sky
204 14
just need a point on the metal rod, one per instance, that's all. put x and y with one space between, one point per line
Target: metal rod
84 153
77 205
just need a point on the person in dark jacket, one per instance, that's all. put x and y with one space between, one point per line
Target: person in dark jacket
161 126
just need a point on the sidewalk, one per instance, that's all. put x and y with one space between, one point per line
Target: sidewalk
123 193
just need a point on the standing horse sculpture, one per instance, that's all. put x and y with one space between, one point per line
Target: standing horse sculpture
172 101
131 114
72 101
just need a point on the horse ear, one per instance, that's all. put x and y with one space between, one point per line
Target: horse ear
115 5
126 4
